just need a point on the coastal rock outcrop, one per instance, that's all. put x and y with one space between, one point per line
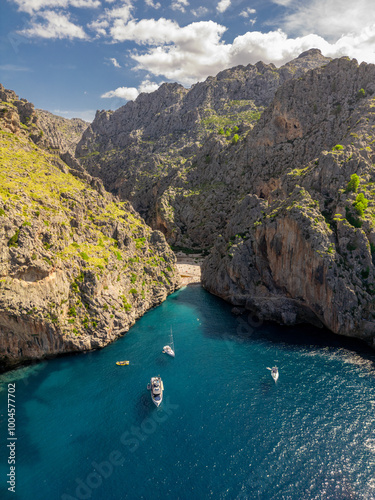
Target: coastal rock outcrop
77 267
300 245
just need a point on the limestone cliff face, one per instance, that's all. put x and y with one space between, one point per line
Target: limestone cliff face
77 267
18 115
152 151
300 245
58 135
63 133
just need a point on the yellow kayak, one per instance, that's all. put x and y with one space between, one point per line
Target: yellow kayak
122 363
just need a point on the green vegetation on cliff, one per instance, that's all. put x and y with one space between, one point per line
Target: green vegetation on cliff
74 261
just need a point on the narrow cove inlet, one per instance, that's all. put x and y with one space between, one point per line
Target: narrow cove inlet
187 251
87 428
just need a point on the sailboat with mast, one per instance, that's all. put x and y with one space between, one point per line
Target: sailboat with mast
167 349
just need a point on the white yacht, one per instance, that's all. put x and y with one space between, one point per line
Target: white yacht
156 387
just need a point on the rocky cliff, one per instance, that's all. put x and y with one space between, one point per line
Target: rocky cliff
54 133
299 245
77 267
63 133
285 198
152 151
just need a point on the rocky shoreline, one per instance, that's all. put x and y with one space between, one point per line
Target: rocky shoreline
77 266
279 186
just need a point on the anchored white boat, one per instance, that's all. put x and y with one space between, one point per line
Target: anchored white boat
274 372
168 349
156 387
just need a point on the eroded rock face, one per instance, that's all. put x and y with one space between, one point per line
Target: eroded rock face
300 246
53 133
63 134
164 154
77 267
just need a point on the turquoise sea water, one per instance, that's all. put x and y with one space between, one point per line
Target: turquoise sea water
87 428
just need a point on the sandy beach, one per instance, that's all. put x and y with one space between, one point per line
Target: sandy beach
189 267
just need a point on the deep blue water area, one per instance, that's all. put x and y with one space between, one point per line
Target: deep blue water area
87 428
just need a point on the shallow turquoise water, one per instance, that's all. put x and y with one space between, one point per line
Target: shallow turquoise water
86 428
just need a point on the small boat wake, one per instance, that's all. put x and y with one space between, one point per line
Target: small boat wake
168 349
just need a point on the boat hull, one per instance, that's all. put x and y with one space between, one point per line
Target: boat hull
168 350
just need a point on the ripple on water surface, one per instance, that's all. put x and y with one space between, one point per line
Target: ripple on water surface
225 429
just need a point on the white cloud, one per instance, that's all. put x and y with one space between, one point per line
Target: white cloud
131 93
190 53
199 12
179 5
55 25
146 31
116 17
114 62
13 67
99 26
32 6
359 46
184 54
151 3
123 12
128 93
331 19
147 86
193 52
247 12
284 3
223 5
195 38
274 46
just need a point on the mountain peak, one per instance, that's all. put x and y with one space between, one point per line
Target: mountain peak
310 52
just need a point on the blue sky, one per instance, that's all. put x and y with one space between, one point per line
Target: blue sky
72 57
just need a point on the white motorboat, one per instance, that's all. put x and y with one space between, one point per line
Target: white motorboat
274 372
156 387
